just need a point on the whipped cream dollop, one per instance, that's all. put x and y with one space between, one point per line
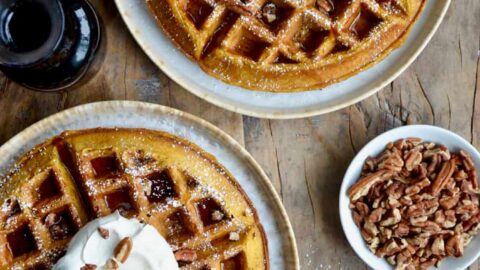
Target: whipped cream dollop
149 251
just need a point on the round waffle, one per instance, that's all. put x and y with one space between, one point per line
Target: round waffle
286 45
154 176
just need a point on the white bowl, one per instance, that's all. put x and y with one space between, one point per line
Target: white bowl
375 147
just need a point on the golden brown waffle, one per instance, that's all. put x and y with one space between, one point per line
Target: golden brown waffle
286 45
156 177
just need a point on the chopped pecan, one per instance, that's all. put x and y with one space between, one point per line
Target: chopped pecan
466 210
419 242
413 158
414 141
357 218
104 233
376 215
467 225
51 219
390 248
393 162
112 264
423 208
439 217
454 246
270 12
123 249
402 230
438 247
400 144
432 166
443 176
428 263
395 190
440 151
393 203
393 219
467 187
449 202
185 255
467 161
460 175
417 221
362 208
373 244
406 200
88 266
370 228
385 234
472 177
362 187
417 187
324 5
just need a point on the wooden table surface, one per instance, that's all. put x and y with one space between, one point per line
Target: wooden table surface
304 158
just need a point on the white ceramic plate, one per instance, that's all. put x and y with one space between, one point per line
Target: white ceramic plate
281 105
281 242
375 147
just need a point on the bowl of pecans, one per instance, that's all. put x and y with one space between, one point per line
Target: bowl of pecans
410 200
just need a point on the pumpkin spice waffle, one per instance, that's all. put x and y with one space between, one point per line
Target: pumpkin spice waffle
286 45
158 178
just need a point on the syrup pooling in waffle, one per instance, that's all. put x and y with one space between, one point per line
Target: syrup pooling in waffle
286 45
153 176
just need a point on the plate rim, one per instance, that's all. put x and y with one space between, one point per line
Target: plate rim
307 112
29 133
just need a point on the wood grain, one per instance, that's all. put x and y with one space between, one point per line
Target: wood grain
304 158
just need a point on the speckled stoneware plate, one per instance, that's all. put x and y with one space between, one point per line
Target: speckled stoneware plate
281 242
277 105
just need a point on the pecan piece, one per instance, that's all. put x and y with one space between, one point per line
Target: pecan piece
467 187
393 219
454 246
269 12
402 230
417 187
376 215
390 248
112 264
370 228
395 190
361 188
413 158
467 161
186 255
428 263
443 176
438 247
104 233
467 225
325 5
362 208
440 151
433 164
449 202
123 249
392 162
423 208
88 266
357 218
472 177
